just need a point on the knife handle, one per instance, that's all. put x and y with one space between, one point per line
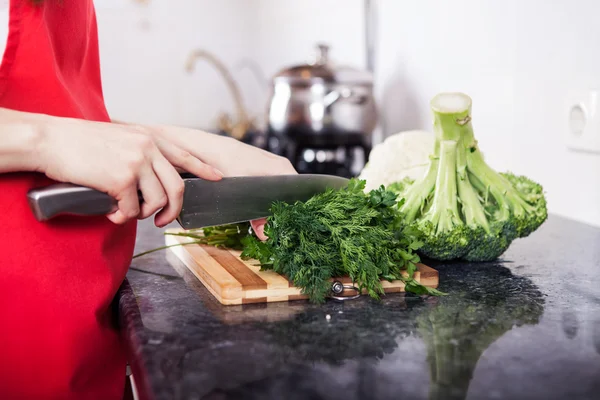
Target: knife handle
66 198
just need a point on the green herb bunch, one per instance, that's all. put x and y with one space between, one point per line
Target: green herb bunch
337 233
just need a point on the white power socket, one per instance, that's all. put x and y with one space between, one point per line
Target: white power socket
583 121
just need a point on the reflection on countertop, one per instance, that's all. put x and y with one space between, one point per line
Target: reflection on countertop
527 326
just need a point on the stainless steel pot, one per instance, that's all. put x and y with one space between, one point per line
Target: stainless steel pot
319 99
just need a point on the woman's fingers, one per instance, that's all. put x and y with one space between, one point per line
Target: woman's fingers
258 226
128 205
160 184
173 185
183 160
153 193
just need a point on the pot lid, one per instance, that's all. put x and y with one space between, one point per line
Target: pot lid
323 70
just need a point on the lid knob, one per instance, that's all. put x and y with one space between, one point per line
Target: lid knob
323 54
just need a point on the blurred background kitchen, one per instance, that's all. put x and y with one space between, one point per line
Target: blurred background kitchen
214 65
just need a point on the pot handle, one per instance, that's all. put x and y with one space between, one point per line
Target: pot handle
345 93
336 95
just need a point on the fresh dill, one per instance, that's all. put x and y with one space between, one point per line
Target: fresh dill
345 232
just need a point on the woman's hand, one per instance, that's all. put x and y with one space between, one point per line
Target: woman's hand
230 156
119 160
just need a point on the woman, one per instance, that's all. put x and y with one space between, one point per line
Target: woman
57 339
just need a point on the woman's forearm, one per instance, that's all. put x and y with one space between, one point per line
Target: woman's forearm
20 135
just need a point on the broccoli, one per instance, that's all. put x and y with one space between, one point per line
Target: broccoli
462 207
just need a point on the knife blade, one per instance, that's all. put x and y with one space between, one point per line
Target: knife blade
205 203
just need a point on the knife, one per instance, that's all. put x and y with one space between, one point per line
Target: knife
205 203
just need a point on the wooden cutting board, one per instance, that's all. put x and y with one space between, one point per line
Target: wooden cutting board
235 281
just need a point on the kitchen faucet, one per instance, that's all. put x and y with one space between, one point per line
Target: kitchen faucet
239 127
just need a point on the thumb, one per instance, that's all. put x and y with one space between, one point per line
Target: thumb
258 226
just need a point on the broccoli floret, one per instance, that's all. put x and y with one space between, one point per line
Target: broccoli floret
533 194
487 246
446 245
462 208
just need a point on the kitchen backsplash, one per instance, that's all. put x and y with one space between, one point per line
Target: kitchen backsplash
517 60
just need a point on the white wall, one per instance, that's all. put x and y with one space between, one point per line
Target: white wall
289 30
144 46
518 60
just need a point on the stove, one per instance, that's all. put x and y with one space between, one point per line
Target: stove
339 155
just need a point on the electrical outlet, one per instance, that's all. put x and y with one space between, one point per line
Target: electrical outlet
583 121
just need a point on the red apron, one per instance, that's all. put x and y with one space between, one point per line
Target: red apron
57 280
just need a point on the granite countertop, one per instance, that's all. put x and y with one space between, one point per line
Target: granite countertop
526 327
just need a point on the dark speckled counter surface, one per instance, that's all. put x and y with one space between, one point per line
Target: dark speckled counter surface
526 327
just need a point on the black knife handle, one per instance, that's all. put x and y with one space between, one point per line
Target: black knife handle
66 198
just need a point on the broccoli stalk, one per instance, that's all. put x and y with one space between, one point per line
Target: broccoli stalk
473 210
444 209
509 200
442 218
412 204
463 208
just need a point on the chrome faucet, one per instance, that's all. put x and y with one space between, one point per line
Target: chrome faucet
237 128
